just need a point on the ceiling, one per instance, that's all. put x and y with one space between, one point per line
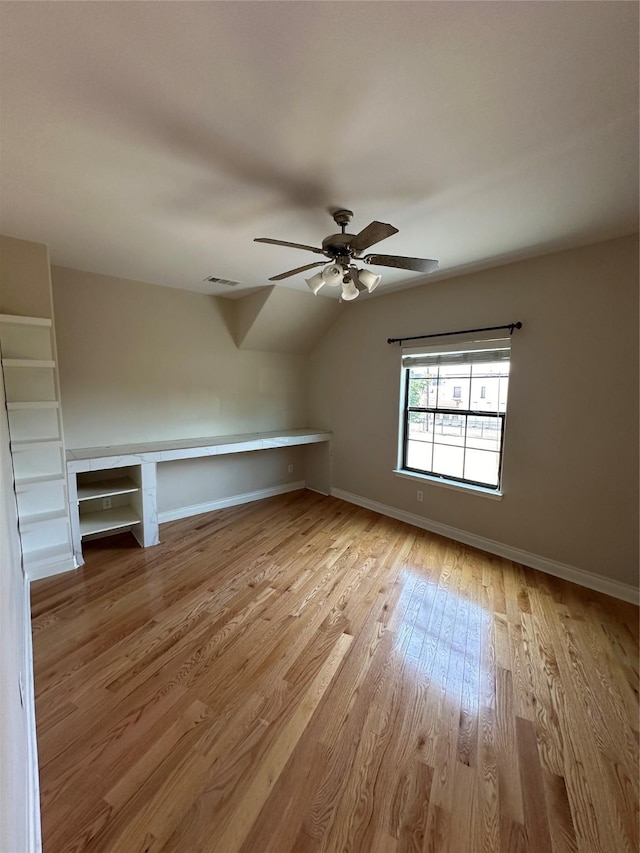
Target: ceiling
154 141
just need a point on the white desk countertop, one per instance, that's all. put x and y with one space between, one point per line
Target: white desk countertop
115 456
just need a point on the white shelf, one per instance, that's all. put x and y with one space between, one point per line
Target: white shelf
106 488
35 443
28 362
40 478
14 320
29 522
41 404
108 519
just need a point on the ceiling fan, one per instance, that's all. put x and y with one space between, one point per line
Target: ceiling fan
342 250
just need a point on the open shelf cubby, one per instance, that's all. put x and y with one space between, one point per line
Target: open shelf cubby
108 503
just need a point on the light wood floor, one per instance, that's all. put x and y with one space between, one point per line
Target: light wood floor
303 675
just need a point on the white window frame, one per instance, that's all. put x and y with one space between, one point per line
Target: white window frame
466 351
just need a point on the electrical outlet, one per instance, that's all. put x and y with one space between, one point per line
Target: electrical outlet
290 469
106 503
419 496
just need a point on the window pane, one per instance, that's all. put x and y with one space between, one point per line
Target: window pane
454 386
420 423
502 394
454 393
419 441
485 393
419 454
418 391
449 429
482 466
423 386
448 460
484 433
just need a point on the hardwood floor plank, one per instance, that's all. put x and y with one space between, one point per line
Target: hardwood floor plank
279 824
536 820
301 675
265 775
561 828
463 833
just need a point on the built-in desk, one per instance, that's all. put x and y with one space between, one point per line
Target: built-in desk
125 497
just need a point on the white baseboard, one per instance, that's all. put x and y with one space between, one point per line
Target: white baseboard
54 567
33 806
608 586
233 500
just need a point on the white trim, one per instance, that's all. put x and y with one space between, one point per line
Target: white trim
608 586
50 568
233 500
16 319
34 832
449 484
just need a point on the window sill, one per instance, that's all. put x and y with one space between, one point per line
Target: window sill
458 487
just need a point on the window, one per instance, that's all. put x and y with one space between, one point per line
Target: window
453 412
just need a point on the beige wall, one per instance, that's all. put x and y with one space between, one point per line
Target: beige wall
25 284
142 363
196 482
571 448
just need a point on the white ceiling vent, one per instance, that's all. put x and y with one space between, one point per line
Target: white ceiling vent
212 279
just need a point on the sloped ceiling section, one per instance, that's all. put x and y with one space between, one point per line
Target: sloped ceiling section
279 320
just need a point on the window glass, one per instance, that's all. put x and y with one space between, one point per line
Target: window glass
454 416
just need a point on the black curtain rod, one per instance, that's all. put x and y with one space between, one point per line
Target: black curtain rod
510 326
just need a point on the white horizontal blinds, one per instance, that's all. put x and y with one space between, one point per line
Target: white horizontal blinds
486 351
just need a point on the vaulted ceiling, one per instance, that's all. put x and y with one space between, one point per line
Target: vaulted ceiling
154 141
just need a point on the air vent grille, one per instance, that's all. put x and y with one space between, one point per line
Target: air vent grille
212 279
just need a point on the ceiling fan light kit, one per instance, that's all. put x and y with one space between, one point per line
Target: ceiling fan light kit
315 283
349 291
369 279
333 274
342 249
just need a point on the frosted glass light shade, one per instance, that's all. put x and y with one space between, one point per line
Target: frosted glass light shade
349 291
369 279
332 274
315 282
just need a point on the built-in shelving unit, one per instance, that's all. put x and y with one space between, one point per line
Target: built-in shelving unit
114 488
106 488
37 446
106 505
107 519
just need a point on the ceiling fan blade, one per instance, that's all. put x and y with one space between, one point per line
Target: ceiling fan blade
285 243
297 270
373 233
417 264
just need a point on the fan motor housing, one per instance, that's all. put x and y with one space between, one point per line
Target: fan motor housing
338 244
